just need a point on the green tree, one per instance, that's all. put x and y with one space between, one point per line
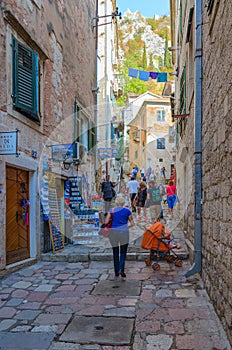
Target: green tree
144 57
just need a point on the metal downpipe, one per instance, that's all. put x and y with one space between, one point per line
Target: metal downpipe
197 265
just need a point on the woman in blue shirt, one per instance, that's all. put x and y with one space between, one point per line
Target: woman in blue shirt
119 235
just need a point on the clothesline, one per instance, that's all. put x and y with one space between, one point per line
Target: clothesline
161 77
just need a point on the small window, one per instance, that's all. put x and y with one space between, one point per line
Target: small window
136 154
92 136
161 143
182 107
25 80
161 115
161 160
171 134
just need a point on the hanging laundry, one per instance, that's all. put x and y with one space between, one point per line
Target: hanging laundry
144 75
153 75
162 77
133 72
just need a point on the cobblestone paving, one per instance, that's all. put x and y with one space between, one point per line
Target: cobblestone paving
170 312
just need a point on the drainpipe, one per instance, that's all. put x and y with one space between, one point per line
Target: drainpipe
197 265
96 85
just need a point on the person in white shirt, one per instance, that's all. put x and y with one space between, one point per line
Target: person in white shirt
132 188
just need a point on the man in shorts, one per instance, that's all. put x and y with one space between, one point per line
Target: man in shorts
132 187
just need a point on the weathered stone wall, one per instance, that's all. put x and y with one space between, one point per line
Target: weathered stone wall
216 150
217 159
63 32
185 145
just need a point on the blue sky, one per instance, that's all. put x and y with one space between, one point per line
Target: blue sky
147 7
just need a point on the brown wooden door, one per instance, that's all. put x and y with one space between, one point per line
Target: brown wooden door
17 215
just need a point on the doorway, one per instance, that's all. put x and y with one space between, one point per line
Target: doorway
17 215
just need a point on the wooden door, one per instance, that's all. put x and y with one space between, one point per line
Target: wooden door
17 215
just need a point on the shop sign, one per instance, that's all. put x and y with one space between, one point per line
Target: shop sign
107 152
9 142
60 151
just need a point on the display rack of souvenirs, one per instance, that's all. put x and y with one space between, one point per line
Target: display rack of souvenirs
85 226
54 221
97 203
44 197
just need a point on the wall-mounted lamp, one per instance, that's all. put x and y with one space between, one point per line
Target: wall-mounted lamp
173 73
113 15
173 48
176 73
96 90
68 162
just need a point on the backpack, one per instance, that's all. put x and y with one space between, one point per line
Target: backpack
156 196
163 192
107 190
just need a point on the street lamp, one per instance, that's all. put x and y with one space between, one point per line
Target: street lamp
67 163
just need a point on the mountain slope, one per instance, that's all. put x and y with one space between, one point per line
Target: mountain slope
143 45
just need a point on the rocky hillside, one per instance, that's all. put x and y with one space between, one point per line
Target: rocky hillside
133 25
143 44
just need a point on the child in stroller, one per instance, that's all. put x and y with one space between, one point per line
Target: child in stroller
158 240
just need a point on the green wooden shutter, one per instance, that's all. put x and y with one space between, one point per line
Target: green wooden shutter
181 21
91 136
25 80
76 122
182 108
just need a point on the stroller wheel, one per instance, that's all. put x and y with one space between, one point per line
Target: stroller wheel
169 258
179 263
156 267
148 262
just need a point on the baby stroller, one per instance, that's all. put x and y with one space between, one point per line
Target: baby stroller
158 240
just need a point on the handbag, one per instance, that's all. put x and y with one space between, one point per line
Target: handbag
113 192
105 228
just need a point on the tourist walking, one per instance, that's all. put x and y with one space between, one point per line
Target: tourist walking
108 192
119 235
132 187
171 196
154 197
140 199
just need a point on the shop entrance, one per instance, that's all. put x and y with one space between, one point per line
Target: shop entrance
17 215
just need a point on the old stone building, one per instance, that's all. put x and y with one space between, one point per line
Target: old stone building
47 76
151 136
201 44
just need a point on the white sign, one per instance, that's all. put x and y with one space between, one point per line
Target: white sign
8 142
60 151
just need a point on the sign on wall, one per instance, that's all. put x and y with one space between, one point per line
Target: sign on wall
60 151
107 152
9 142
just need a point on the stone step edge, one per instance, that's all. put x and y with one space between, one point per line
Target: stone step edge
99 257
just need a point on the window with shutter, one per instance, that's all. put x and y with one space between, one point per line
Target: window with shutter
183 92
91 136
161 143
25 80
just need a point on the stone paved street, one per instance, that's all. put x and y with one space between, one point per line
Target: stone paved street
58 305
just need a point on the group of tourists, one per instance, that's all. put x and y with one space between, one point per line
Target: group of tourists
150 174
143 196
134 197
